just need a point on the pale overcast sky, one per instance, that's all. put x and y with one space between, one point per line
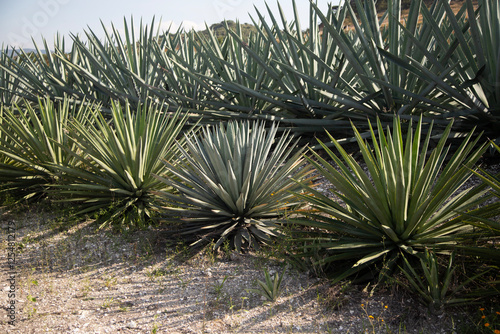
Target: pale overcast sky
20 20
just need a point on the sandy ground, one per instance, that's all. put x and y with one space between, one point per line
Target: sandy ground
86 281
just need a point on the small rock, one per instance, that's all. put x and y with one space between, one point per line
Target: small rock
132 325
84 314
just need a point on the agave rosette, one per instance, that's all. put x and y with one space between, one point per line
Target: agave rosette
407 199
235 182
118 160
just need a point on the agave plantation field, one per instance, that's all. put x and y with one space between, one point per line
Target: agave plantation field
365 156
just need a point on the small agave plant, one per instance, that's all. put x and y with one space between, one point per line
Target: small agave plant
234 183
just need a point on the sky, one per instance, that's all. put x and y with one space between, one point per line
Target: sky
24 20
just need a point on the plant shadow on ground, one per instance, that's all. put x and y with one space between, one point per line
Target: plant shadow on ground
82 273
72 276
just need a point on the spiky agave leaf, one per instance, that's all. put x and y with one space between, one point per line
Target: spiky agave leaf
234 182
486 219
407 200
119 160
35 142
9 84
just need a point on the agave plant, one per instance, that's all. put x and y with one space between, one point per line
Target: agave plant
409 198
234 182
115 68
434 286
270 289
119 159
34 142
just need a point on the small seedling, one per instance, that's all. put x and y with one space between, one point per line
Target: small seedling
31 310
155 325
243 302
107 303
218 286
31 299
271 288
110 281
154 274
226 248
183 283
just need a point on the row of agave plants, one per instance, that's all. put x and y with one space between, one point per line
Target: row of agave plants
240 183
435 63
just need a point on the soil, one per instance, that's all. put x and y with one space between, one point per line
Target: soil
80 280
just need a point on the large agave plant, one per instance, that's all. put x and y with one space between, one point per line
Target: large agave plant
234 182
407 199
34 142
119 158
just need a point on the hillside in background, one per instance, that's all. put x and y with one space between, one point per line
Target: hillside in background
381 5
220 32
405 4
